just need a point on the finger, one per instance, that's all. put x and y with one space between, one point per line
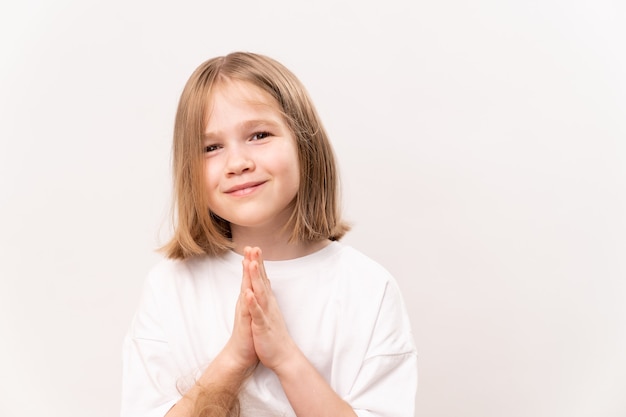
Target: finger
245 285
247 252
255 278
256 312
262 268
241 308
257 255
258 286
242 315
246 279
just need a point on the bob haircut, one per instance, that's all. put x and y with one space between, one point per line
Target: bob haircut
316 213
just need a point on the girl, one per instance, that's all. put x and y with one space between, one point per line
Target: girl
256 193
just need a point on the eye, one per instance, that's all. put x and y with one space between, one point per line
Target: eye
210 148
260 135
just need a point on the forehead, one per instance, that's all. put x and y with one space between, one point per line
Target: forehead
242 94
235 104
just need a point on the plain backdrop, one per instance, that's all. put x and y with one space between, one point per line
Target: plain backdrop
483 152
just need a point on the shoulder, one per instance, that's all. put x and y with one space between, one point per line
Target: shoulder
374 303
351 260
166 268
169 273
177 267
359 274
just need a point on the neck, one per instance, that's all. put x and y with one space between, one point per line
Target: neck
275 246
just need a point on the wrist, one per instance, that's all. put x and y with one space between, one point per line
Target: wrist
293 363
226 371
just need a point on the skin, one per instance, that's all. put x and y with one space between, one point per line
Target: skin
252 179
308 392
251 166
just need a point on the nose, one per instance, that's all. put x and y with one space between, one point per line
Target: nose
239 161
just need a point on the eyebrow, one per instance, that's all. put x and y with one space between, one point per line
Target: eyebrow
246 125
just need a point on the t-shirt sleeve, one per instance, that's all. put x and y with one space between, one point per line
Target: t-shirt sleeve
386 383
148 366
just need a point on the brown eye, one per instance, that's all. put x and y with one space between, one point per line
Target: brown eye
260 135
210 148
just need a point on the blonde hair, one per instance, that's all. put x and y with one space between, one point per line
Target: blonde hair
316 214
216 401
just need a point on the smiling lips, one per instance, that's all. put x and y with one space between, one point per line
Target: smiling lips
244 189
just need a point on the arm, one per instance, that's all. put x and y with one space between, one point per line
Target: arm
386 382
215 392
308 392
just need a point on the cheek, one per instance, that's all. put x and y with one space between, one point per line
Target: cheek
293 178
289 167
210 175
211 184
295 175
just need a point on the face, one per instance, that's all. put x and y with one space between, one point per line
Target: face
251 160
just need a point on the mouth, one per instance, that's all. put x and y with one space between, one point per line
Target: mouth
244 189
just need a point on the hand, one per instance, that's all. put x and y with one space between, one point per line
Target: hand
240 347
272 342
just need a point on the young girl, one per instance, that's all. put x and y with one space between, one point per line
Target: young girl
258 309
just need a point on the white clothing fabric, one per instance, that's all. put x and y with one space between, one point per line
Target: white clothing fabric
343 310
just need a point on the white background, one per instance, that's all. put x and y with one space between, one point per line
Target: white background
483 152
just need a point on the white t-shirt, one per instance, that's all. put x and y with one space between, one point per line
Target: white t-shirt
343 310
